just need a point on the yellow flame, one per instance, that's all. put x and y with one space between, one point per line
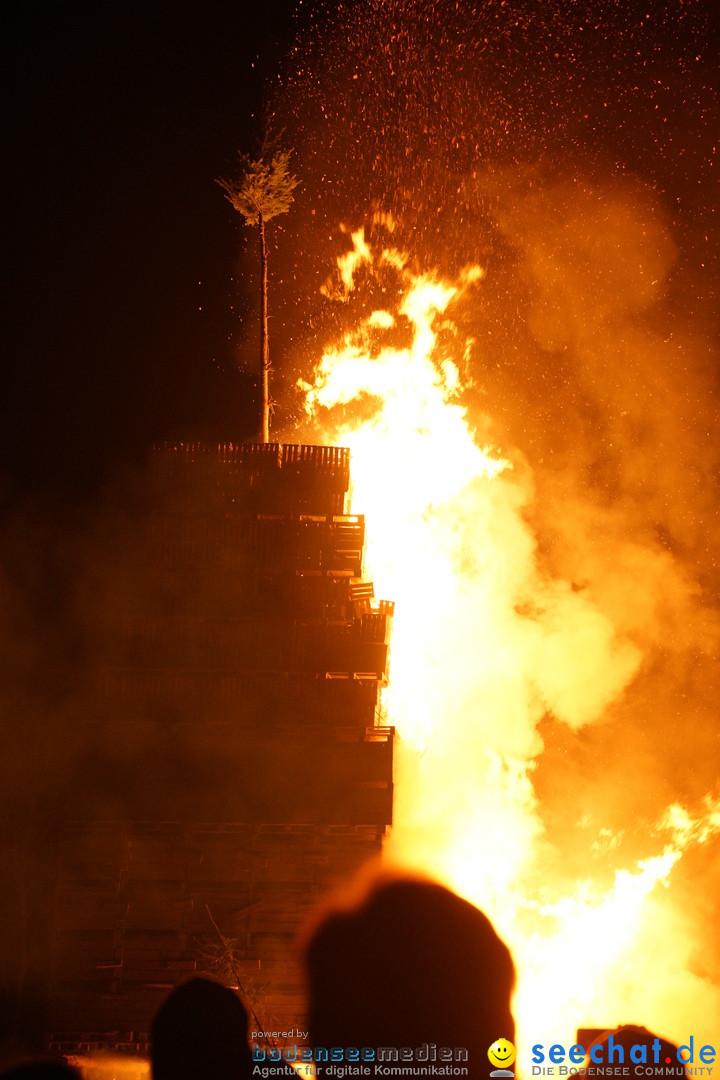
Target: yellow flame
484 645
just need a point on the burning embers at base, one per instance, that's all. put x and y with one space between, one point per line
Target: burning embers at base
488 643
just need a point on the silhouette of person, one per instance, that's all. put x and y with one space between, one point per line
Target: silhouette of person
411 964
627 1037
200 1030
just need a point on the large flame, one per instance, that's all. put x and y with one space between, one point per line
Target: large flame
485 644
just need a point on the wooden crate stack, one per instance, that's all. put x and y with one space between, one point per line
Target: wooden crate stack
244 770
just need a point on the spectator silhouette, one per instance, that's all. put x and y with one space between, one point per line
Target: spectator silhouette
411 964
628 1037
200 1030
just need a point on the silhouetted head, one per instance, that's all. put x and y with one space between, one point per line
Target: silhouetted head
200 1030
639 1047
411 964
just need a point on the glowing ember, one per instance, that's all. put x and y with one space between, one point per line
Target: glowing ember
486 644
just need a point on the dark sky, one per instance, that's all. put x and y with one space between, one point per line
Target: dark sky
122 250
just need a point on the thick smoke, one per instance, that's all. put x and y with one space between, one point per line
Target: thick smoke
622 448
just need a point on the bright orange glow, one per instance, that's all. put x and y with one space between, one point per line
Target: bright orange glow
485 644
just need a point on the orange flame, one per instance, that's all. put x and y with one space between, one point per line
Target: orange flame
484 645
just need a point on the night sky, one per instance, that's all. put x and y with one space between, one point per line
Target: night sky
122 251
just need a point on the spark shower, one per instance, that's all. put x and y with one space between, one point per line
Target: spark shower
517 344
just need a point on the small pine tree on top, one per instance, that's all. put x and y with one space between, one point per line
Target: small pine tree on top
263 190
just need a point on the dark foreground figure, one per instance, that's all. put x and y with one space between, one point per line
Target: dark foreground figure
631 1040
410 965
200 1033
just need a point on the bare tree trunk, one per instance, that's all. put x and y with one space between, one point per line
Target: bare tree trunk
264 344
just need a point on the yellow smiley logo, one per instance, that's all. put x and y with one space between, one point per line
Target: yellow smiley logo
501 1053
